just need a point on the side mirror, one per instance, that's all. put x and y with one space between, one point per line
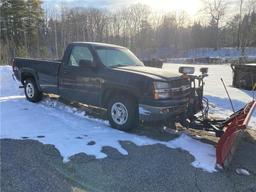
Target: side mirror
85 63
187 70
204 70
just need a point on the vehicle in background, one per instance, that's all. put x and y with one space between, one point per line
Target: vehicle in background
158 63
244 75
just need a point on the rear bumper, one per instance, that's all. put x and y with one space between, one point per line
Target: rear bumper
152 113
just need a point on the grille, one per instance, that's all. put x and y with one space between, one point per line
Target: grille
179 88
178 82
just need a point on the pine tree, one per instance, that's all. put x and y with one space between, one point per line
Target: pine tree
33 23
20 23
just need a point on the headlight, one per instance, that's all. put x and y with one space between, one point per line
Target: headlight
161 90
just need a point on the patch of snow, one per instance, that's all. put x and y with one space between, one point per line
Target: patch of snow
52 122
2 99
241 171
218 166
205 153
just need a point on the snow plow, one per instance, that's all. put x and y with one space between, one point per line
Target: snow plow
232 129
229 131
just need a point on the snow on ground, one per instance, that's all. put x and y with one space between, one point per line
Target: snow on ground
215 92
52 122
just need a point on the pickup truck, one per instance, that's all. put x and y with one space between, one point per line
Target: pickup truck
110 77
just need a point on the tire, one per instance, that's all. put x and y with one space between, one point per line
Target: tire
123 113
31 91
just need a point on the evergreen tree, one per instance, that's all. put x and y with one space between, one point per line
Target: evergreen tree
20 23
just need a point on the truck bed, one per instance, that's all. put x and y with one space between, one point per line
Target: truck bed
45 70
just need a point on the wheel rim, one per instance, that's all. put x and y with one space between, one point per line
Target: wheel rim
30 90
119 113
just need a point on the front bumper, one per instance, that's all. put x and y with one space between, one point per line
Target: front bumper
152 113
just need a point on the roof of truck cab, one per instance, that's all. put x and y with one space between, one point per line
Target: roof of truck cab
96 44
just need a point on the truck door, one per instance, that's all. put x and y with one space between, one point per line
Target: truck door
80 83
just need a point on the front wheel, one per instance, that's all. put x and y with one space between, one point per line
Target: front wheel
31 91
123 113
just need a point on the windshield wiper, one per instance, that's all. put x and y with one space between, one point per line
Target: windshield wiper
119 65
123 65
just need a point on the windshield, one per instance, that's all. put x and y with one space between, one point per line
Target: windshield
117 57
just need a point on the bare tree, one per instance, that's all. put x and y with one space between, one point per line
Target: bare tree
145 31
216 9
247 26
241 3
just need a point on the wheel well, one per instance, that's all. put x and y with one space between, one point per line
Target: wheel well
109 93
25 76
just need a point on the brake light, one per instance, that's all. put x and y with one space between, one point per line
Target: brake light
14 67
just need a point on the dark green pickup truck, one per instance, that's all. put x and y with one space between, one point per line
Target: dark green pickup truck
107 76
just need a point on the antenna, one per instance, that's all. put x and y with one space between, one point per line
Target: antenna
253 91
228 95
253 86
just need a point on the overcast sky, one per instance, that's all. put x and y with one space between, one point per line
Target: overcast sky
190 6
90 3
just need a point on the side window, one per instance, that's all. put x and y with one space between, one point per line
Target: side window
78 53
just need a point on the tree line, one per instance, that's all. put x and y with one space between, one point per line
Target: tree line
28 30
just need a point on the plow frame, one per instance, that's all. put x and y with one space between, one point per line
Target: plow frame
229 131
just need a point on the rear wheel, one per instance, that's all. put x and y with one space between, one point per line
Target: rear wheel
123 113
31 91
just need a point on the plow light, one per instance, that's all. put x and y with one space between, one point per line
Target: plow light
187 70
